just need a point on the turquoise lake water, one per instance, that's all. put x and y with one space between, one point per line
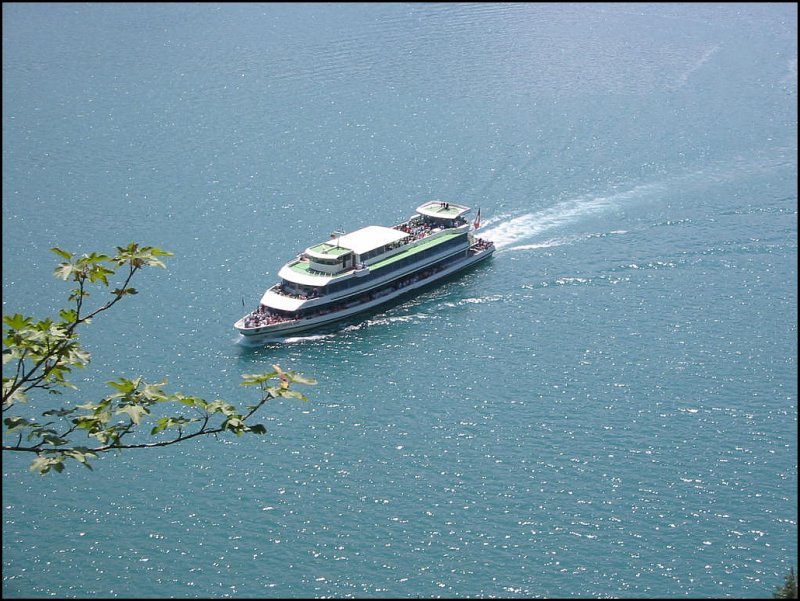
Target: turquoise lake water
607 408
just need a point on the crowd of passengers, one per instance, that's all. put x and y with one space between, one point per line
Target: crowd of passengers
417 229
420 229
262 316
481 244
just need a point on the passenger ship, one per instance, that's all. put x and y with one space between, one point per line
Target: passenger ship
354 272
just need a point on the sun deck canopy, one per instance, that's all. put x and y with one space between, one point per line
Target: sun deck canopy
442 210
369 238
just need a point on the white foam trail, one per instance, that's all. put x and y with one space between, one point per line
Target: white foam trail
292 339
791 75
684 77
259 342
553 242
546 244
493 219
381 321
564 213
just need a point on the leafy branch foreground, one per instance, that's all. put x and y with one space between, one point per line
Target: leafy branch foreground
39 356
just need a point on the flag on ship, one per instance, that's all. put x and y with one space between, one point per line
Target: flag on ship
477 222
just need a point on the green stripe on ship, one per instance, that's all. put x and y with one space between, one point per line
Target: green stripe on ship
304 267
412 251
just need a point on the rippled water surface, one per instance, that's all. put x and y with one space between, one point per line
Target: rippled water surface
608 407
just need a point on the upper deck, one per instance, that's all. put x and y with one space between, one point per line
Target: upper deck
440 210
327 249
362 241
345 255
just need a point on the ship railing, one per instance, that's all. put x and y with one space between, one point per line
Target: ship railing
419 228
279 289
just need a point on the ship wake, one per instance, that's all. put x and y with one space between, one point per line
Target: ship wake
530 225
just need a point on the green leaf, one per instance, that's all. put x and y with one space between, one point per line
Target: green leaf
192 401
18 396
300 379
60 412
100 273
95 258
293 394
87 422
161 425
140 256
102 436
14 422
68 315
78 357
17 321
171 422
220 406
235 424
124 385
124 291
258 379
52 438
64 270
45 464
135 412
154 392
64 254
80 454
